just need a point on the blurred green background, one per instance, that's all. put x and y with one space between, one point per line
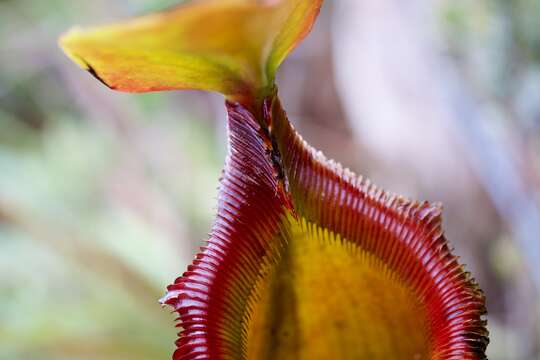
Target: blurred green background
105 197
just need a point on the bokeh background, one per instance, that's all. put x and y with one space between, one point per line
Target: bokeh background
104 197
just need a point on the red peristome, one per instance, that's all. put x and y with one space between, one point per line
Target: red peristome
406 235
211 297
270 170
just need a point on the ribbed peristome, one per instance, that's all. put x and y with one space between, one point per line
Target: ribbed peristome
308 261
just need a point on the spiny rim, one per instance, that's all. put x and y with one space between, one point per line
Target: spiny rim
273 182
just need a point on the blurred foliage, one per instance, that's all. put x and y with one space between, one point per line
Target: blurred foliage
101 202
499 43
